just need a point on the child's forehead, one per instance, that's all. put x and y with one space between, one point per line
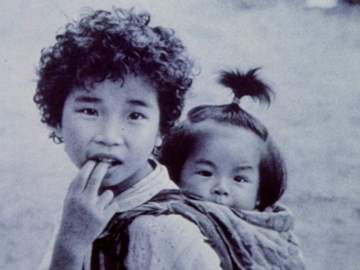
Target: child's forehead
212 131
130 81
211 128
132 88
237 144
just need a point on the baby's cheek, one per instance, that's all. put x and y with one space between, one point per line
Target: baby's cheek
202 190
186 184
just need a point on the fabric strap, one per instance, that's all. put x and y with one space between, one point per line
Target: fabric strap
239 244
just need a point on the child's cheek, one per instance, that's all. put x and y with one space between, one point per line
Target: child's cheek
75 152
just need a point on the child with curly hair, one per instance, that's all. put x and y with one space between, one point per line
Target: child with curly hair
110 88
226 156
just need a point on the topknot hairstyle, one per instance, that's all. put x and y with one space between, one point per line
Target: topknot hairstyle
246 84
242 84
110 45
179 145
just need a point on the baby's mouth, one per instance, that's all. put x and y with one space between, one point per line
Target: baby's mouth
219 200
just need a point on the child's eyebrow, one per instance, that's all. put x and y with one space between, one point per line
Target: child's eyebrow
205 162
87 99
137 102
244 168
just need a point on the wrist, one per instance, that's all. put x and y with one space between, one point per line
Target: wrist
72 241
66 256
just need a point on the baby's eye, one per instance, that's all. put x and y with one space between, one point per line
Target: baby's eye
239 179
204 173
89 111
136 116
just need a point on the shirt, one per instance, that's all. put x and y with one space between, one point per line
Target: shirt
156 242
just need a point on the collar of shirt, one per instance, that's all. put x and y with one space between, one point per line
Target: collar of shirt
147 188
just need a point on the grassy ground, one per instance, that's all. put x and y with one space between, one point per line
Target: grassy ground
311 57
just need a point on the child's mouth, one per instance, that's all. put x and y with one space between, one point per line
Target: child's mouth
219 200
111 161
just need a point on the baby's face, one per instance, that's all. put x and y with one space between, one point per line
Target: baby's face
224 167
113 123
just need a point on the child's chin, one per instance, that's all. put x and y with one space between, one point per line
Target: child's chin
111 177
220 201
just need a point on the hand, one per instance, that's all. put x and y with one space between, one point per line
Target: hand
85 212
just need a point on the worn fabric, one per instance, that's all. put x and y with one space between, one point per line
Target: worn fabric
168 242
248 240
135 196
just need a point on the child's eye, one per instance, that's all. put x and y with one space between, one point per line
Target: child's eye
136 116
89 111
204 173
239 179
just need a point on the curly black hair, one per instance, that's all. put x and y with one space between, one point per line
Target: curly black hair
110 45
184 139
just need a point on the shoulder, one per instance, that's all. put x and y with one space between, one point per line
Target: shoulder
171 227
168 242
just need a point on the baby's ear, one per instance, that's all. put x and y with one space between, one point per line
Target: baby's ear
158 140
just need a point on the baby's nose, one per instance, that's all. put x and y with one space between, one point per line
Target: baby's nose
221 189
221 192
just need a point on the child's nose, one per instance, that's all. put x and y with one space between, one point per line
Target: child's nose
111 133
221 188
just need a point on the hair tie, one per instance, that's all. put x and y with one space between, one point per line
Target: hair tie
236 100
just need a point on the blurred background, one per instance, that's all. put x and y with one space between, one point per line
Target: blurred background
309 52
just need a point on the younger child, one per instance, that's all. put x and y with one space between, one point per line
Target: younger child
226 156
110 88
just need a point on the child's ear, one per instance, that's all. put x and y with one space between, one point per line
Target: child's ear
158 140
57 131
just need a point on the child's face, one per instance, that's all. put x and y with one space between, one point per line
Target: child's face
113 123
224 166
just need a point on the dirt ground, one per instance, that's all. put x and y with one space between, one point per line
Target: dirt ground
311 57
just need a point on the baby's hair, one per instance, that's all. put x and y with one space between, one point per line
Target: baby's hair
241 85
111 45
178 146
246 84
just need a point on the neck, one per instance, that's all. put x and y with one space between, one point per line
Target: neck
128 183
